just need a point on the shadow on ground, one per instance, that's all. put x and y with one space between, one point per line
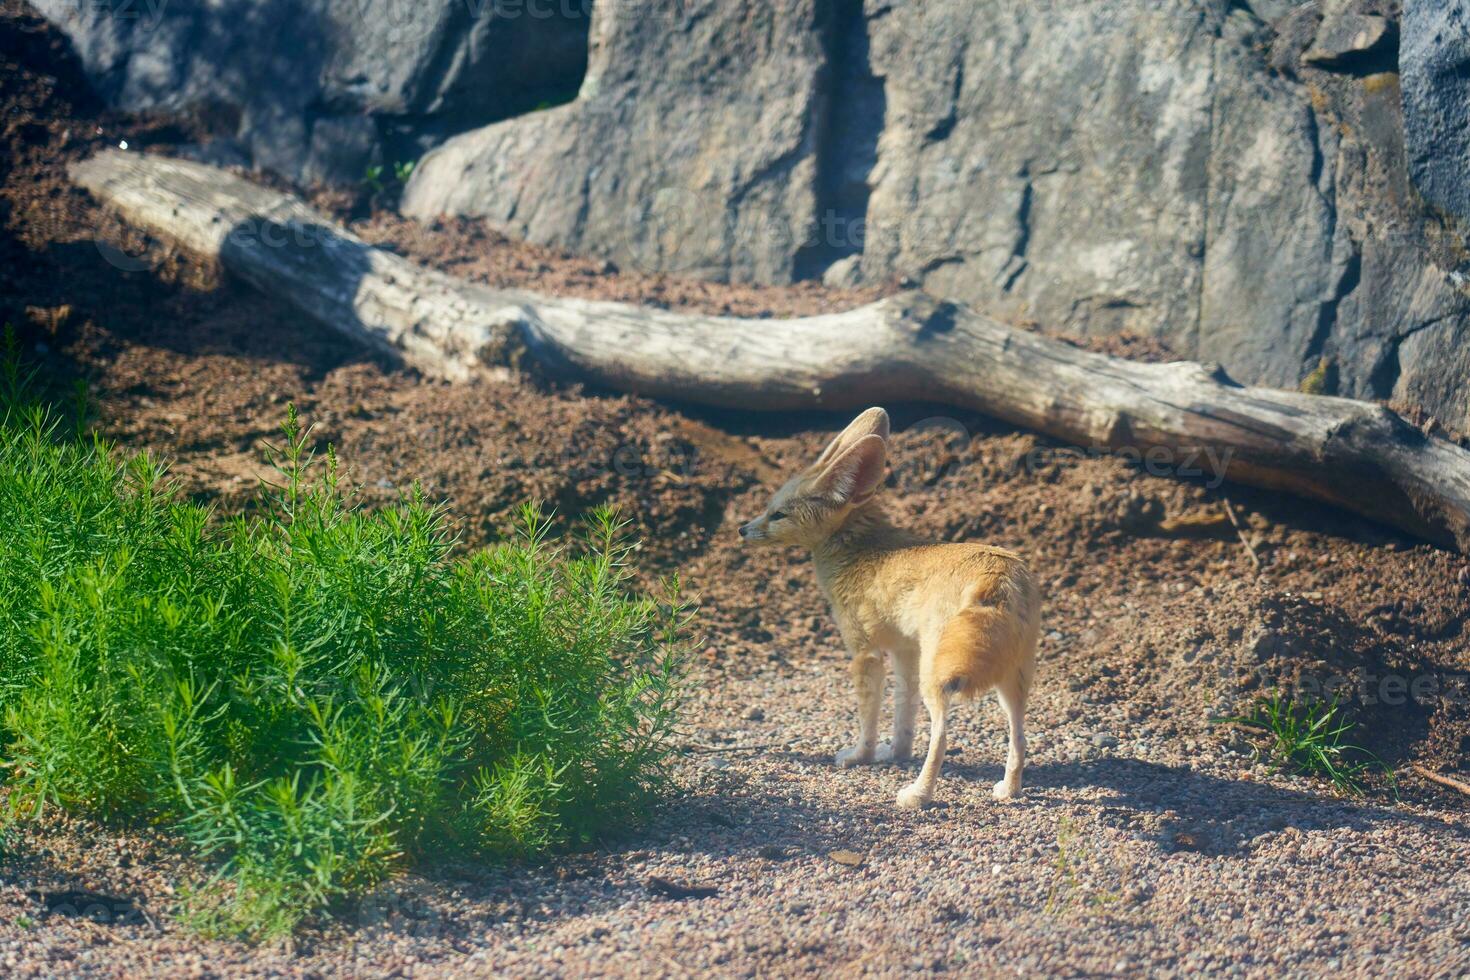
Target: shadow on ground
1211 815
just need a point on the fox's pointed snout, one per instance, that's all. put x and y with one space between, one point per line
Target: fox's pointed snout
757 531
753 530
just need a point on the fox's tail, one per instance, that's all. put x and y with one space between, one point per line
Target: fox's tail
985 646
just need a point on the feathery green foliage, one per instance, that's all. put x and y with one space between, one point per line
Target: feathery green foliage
315 695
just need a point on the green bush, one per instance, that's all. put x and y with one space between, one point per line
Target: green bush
316 695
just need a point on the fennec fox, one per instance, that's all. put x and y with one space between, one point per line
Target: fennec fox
954 619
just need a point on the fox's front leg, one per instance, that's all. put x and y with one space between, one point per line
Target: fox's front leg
867 678
905 708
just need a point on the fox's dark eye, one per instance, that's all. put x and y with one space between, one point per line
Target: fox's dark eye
778 515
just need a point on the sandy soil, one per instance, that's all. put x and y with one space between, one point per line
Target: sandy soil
1148 838
1128 859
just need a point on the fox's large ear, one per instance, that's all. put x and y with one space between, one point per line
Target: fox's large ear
854 476
873 422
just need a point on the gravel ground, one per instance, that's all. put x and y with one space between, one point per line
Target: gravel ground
1116 859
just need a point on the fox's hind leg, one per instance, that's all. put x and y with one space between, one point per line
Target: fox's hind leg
921 790
1011 694
972 654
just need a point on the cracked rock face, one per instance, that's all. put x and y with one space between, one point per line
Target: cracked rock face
1249 182
1436 71
1128 166
692 148
1177 169
320 89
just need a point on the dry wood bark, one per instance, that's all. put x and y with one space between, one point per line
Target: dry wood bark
1450 782
1355 455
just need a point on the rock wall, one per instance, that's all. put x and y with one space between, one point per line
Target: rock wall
1229 177
1274 185
320 89
692 147
1436 69
1128 166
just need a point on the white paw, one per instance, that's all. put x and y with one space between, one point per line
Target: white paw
1005 791
887 753
913 797
855 756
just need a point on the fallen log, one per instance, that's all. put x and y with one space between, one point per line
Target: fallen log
1355 455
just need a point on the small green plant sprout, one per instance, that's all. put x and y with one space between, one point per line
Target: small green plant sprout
372 178
554 99
15 381
1065 882
379 179
1311 738
1320 381
1067 888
